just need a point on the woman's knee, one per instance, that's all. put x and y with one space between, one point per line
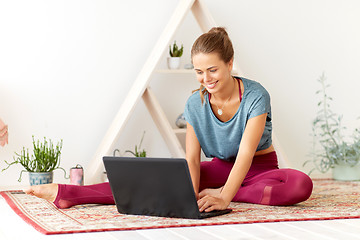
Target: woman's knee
304 183
297 187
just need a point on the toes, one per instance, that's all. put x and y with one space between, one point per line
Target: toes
29 191
34 190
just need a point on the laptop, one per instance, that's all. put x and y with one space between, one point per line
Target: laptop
154 187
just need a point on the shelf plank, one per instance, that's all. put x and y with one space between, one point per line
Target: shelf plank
169 71
179 130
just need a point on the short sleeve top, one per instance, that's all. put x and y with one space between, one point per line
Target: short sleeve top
222 139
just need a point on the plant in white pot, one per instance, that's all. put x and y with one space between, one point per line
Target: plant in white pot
335 152
41 164
175 55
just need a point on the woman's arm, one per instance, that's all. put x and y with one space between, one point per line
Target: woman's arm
193 152
248 145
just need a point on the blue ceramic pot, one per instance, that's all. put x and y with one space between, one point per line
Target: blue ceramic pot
37 178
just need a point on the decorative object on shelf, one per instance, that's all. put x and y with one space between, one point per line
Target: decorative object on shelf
343 156
44 160
138 152
175 54
77 175
189 66
180 121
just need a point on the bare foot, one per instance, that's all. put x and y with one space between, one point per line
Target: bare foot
45 191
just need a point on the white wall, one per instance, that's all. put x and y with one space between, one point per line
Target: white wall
66 67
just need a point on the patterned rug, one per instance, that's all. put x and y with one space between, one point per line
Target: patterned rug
330 200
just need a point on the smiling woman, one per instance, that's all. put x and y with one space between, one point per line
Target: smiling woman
229 118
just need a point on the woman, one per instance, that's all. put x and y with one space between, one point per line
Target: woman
229 118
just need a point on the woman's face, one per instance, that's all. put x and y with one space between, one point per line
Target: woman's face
212 72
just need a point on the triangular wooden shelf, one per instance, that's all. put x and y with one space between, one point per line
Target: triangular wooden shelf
141 88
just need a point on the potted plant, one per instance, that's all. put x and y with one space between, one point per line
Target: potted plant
175 54
138 152
41 164
335 152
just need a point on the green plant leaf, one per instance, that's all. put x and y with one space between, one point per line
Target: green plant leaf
45 157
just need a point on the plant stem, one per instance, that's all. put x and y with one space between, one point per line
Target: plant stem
326 113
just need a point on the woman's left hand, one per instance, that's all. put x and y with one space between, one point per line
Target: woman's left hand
209 203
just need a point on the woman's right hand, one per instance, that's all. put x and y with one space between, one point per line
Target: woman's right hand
209 203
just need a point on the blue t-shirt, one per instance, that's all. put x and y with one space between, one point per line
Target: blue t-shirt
222 139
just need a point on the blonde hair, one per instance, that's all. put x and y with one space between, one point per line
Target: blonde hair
216 40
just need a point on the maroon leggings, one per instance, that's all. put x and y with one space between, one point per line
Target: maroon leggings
264 184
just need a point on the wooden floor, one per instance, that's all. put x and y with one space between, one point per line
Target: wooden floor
12 227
